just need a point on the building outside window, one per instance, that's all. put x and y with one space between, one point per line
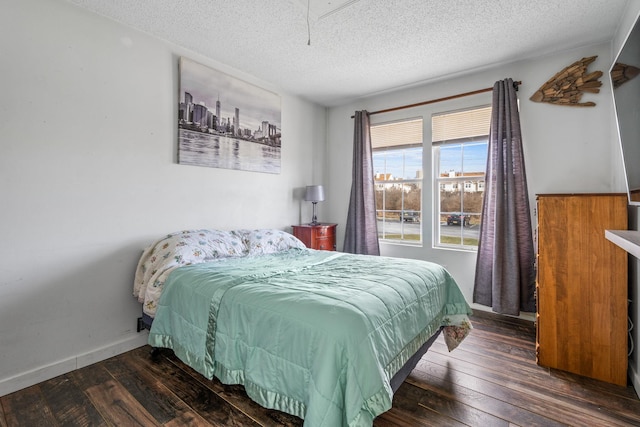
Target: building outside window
397 162
459 150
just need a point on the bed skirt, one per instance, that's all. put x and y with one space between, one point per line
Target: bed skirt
145 322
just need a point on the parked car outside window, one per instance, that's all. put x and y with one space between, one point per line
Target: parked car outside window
458 219
411 216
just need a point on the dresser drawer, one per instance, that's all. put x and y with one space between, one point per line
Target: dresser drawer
325 232
325 244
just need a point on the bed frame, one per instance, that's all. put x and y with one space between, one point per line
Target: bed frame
144 322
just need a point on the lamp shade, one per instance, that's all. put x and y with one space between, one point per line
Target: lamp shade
315 193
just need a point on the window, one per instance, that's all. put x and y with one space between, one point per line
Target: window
397 162
459 147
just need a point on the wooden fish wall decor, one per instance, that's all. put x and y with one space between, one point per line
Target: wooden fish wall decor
567 86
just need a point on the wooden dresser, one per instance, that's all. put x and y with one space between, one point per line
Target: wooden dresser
319 236
582 286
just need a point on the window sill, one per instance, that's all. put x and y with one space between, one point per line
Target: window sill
413 244
470 249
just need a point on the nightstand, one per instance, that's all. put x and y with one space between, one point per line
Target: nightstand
320 236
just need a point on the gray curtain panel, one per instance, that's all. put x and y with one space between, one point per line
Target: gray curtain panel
361 232
505 269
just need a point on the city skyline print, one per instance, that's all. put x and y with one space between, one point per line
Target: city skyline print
224 122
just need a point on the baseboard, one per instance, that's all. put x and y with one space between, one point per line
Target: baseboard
44 373
635 379
484 311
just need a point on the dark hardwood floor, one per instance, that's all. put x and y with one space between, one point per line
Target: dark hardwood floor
491 380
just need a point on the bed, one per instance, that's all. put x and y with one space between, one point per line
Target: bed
325 336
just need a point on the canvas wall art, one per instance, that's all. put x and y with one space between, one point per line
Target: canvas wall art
224 122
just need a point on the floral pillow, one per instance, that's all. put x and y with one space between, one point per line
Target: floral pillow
178 249
268 241
193 246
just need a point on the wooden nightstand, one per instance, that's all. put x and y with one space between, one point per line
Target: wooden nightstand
320 236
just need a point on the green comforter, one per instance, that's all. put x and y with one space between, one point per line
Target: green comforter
316 334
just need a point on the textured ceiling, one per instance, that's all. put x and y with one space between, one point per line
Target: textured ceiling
361 47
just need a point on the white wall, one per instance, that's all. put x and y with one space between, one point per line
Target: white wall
567 149
88 178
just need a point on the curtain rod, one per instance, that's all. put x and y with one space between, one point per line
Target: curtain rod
446 98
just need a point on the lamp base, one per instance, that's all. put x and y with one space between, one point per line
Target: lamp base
314 220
